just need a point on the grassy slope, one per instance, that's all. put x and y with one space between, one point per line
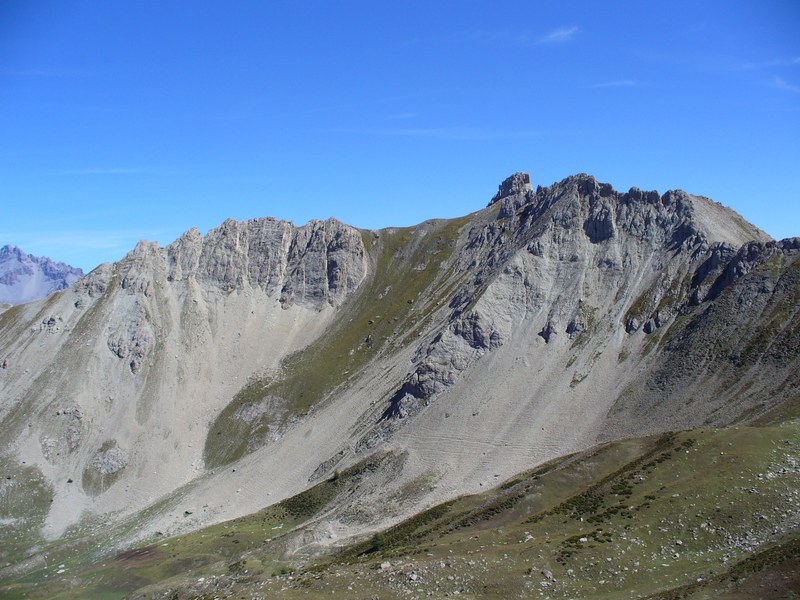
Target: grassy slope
25 496
405 285
218 549
699 513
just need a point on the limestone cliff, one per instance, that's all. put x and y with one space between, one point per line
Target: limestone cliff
226 372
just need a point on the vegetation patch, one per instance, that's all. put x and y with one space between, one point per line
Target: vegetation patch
635 518
104 469
588 322
407 285
25 498
253 543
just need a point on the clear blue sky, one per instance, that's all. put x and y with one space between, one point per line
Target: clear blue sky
126 120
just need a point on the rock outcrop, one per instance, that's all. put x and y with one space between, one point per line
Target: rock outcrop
316 264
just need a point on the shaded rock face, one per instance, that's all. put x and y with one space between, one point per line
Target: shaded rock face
450 353
741 339
24 277
516 184
515 191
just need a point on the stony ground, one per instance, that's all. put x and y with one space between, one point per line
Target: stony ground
698 513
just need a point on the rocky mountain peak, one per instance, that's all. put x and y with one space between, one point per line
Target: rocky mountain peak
9 250
515 185
581 201
315 265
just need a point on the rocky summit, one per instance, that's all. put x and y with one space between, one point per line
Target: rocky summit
319 384
24 278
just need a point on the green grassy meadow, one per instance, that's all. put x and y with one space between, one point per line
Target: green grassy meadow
697 514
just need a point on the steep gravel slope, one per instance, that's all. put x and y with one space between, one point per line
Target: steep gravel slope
224 373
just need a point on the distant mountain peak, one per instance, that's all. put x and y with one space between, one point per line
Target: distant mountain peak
9 250
24 277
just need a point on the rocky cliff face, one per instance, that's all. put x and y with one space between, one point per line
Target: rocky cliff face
579 263
317 264
116 379
264 356
24 278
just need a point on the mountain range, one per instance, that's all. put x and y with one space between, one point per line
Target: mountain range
24 278
346 381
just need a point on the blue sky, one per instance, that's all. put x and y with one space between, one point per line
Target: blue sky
128 120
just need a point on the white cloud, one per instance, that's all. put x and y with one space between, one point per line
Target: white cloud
445 133
85 171
620 83
402 116
559 36
45 72
782 84
102 171
778 62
